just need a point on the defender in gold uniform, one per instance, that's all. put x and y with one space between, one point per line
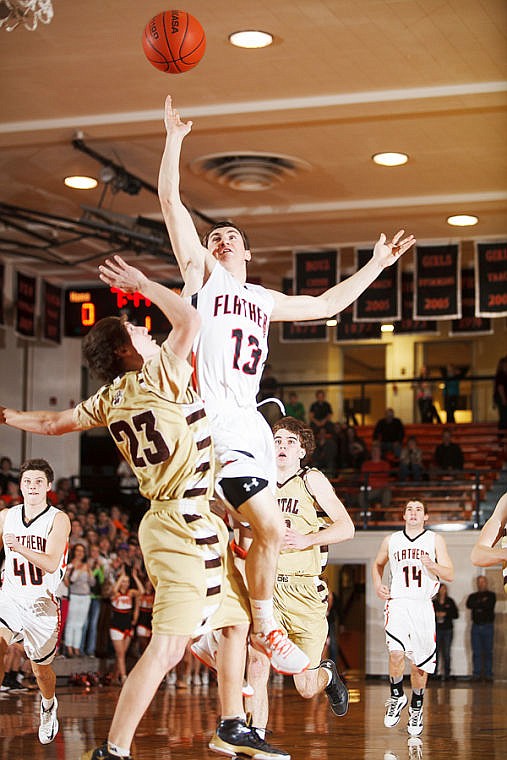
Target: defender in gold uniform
314 518
491 546
160 427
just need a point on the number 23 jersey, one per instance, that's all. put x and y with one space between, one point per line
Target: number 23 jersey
232 345
410 578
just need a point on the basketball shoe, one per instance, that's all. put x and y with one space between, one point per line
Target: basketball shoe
394 707
286 657
233 737
415 721
48 727
102 753
205 649
337 693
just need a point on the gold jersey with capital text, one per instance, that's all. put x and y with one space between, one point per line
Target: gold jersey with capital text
159 425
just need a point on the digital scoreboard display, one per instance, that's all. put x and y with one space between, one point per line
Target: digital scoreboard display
85 306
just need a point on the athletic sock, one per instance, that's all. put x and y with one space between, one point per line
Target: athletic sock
417 698
262 615
118 751
327 673
47 703
396 687
237 716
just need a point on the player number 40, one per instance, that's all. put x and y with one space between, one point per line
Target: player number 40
34 572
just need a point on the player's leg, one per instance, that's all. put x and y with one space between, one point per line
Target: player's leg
418 680
397 700
257 704
3 657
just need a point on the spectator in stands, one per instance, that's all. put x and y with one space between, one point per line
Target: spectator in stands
452 376
411 461
294 407
104 525
424 395
500 395
77 534
7 475
89 640
389 432
448 455
79 580
482 604
445 614
325 454
84 504
354 451
13 494
349 413
320 414
377 472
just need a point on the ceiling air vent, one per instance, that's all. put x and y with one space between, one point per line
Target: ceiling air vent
248 171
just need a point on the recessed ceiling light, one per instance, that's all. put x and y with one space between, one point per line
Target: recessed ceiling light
331 323
81 183
390 159
387 328
462 220
251 38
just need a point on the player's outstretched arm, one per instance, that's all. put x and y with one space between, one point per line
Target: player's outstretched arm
41 422
337 298
194 260
183 317
485 553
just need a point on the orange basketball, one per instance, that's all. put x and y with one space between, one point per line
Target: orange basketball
174 41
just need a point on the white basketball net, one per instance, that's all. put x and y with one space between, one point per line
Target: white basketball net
26 12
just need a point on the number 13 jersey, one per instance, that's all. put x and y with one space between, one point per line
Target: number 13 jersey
232 345
410 578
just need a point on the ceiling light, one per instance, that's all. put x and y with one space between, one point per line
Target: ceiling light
251 38
331 323
387 328
80 183
390 159
462 220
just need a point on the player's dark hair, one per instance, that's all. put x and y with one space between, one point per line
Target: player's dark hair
37 464
305 434
101 347
226 223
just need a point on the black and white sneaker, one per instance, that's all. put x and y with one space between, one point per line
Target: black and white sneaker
48 727
233 737
394 707
415 721
336 690
102 753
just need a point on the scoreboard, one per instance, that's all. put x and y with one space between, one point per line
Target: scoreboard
85 306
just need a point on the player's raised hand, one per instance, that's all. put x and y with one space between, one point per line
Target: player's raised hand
172 120
387 253
118 274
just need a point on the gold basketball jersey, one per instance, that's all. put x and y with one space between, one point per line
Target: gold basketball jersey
300 512
159 425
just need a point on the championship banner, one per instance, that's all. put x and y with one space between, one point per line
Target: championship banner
348 329
381 300
2 285
408 324
469 324
491 280
26 290
51 313
315 272
437 282
291 332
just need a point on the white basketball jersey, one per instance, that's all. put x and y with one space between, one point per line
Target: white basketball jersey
410 578
232 345
21 577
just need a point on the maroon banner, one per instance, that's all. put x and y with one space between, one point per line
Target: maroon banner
348 329
407 323
291 332
2 287
491 280
437 285
381 300
51 313
26 290
469 324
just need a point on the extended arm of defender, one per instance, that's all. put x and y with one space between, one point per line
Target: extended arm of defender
485 553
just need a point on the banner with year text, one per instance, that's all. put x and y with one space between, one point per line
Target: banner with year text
408 324
437 286
491 280
26 295
469 324
52 301
381 300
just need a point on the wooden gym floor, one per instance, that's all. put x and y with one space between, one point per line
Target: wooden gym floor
462 721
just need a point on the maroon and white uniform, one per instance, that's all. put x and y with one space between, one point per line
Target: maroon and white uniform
409 613
229 354
122 608
29 607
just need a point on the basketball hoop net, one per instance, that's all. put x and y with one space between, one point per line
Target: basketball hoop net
26 12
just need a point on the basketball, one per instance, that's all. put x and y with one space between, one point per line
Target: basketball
174 41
